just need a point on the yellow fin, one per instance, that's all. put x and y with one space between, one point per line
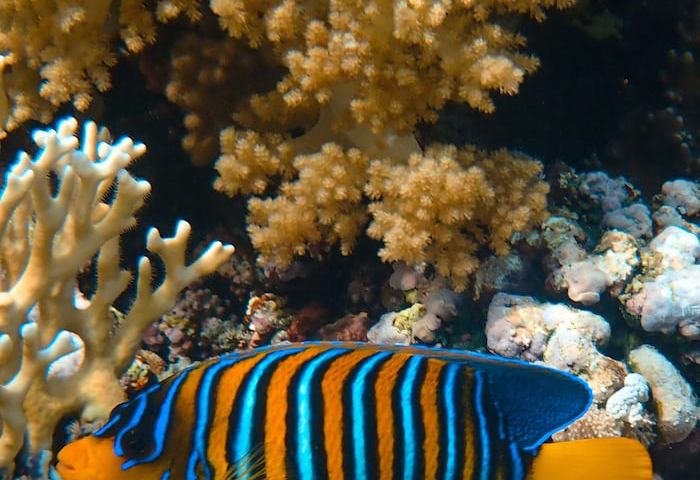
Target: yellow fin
597 458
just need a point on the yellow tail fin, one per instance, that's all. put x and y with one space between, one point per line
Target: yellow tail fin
597 458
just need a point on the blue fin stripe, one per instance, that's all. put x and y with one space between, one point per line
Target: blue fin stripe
243 440
408 417
358 412
483 433
123 408
305 451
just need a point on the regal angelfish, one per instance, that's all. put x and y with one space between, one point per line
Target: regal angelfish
340 411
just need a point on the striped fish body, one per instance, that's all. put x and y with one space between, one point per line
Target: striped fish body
334 411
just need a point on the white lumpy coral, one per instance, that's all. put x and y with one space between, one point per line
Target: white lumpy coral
586 276
676 405
676 248
611 193
627 403
565 337
634 219
669 301
682 195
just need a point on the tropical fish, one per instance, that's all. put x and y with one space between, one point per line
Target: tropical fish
345 411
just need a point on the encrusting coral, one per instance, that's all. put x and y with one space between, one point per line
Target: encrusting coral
48 232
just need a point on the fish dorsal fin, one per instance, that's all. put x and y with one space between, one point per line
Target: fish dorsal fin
250 466
535 401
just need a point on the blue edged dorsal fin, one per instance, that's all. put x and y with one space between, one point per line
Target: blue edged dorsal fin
534 401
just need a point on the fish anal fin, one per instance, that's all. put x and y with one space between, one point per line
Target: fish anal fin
598 458
250 466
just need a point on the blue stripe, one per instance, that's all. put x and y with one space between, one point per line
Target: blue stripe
305 415
116 414
517 462
166 475
243 443
483 434
408 417
501 426
450 421
141 401
358 413
112 420
160 429
199 450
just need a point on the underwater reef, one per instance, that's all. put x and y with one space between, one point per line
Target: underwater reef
507 177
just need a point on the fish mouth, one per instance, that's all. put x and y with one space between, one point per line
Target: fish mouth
67 468
65 471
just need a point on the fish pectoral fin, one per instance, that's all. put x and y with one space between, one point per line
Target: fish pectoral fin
596 458
250 466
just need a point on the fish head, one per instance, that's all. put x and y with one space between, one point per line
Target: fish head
126 447
94 458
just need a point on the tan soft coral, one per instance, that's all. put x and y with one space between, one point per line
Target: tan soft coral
372 71
440 207
324 205
404 60
443 206
61 50
249 160
209 79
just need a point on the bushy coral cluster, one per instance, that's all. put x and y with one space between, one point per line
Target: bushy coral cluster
209 79
442 207
369 72
439 207
58 51
323 205
395 62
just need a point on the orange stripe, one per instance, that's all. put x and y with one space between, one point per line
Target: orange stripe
226 390
183 416
276 412
431 424
470 418
332 391
383 388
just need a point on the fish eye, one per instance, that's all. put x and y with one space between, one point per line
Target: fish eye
136 445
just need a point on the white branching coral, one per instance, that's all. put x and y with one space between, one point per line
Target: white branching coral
59 211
